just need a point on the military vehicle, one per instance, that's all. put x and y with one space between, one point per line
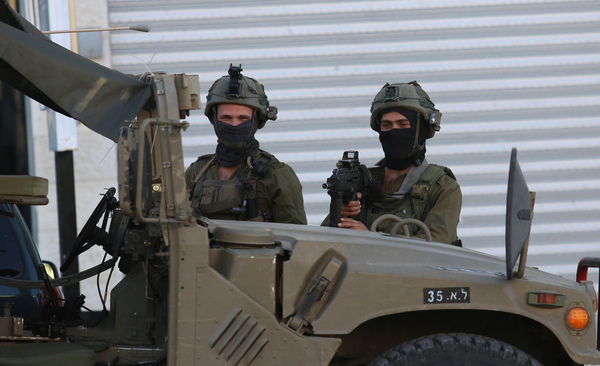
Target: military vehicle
19 258
208 292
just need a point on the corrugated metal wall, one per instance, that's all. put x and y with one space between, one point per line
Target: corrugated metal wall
504 73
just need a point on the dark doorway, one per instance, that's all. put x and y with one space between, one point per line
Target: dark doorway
13 137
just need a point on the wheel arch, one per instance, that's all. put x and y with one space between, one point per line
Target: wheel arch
377 335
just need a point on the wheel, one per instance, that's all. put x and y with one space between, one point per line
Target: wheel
455 349
91 234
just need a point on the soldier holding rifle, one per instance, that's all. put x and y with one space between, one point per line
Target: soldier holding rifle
404 183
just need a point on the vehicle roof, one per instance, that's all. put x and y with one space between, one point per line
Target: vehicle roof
23 189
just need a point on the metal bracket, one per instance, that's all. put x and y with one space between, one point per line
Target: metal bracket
315 294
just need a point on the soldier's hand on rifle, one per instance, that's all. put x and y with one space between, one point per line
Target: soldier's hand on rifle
352 224
352 208
349 210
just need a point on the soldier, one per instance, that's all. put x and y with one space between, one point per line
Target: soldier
240 181
409 187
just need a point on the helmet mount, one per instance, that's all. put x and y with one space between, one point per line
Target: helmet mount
235 75
236 88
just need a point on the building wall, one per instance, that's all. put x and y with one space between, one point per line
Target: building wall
94 159
505 74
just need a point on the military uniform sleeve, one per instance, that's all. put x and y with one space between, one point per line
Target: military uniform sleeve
284 192
443 215
189 173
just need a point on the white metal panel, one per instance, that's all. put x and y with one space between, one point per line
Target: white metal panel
504 73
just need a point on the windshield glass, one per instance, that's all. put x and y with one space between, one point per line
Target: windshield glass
12 239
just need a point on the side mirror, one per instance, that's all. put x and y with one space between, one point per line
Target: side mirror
50 269
519 213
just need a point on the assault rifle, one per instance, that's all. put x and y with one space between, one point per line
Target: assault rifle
347 180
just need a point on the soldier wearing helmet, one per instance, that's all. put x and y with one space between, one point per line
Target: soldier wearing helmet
408 186
240 181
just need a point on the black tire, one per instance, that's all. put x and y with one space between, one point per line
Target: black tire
455 349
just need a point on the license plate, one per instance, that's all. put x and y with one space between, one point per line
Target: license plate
446 295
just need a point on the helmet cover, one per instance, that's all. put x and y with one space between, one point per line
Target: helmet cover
407 96
236 88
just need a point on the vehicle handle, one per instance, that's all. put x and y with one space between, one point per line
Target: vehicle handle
582 272
584 264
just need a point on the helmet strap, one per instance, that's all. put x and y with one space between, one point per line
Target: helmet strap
416 147
416 143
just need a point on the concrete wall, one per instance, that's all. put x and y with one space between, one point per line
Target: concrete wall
505 73
95 163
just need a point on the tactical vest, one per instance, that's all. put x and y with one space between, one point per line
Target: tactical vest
414 204
232 199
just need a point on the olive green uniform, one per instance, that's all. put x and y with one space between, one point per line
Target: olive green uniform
428 193
435 199
278 192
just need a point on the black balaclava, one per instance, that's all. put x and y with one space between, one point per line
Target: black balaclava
399 144
235 143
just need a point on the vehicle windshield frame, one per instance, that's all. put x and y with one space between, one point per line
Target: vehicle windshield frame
14 230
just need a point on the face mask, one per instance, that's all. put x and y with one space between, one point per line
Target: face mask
397 146
235 143
236 137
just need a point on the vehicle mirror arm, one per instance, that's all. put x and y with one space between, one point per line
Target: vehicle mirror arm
97 237
89 228
63 281
115 235
47 284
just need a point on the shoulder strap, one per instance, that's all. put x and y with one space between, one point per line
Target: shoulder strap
263 155
204 167
449 172
435 172
430 176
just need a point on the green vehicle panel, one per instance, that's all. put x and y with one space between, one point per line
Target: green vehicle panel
209 292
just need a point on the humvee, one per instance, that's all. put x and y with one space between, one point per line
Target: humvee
209 292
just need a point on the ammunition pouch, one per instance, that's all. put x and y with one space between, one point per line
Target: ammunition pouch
232 199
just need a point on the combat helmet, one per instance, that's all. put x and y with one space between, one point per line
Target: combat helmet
409 96
236 88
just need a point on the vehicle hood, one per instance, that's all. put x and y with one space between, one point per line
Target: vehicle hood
396 273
